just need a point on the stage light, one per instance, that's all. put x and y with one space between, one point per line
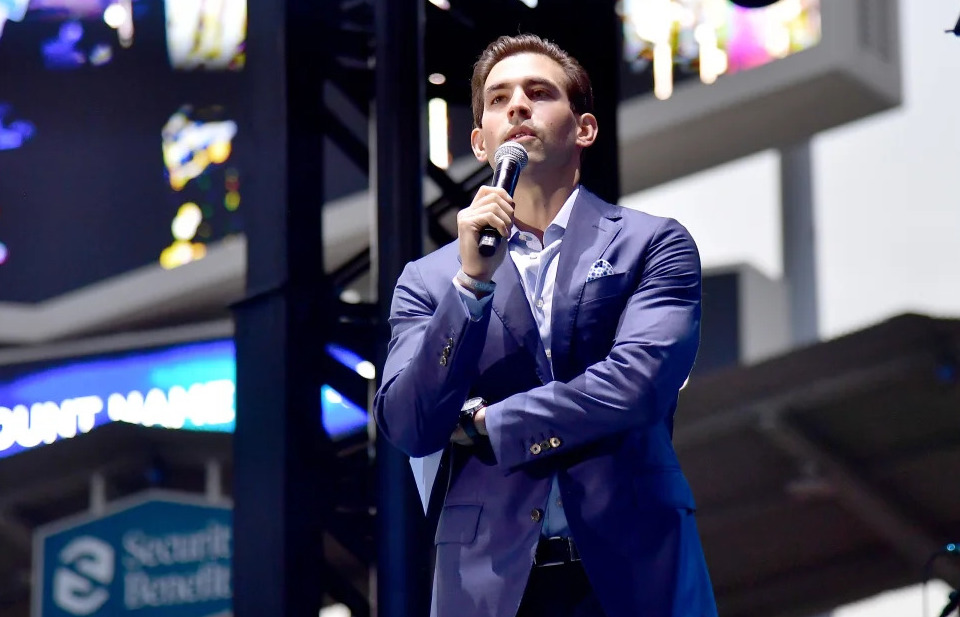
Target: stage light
115 16
438 123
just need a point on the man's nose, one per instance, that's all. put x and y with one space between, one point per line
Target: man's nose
519 105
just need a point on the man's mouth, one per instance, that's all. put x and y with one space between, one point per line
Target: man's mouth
520 135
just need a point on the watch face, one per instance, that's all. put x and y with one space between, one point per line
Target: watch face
472 403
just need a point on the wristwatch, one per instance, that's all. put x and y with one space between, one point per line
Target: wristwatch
467 413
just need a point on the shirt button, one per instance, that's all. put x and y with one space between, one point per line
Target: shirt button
559 503
540 303
536 514
549 355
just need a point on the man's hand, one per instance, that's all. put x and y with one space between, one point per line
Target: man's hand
491 207
479 419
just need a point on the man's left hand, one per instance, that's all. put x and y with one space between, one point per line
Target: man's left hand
459 436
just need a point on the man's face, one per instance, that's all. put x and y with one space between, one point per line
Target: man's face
525 100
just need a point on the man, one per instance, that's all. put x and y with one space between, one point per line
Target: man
563 494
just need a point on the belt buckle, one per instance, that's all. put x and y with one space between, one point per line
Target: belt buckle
570 553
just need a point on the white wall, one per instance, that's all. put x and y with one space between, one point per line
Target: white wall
887 191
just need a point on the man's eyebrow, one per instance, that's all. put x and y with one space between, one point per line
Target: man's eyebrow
532 81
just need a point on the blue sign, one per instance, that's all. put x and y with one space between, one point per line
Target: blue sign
190 386
157 554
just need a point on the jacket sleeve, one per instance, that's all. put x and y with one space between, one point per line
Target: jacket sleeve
635 386
431 363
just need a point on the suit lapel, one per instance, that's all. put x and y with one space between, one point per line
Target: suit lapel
592 227
511 306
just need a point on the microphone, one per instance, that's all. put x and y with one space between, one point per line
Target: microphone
509 160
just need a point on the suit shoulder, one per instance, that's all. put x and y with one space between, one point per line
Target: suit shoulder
651 223
443 262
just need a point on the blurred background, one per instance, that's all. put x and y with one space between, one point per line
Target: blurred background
204 204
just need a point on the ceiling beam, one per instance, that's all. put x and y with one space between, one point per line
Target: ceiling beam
867 502
747 414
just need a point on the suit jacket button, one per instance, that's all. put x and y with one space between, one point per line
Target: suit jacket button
535 449
443 361
555 442
536 515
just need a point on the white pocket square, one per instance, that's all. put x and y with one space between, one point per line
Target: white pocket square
599 269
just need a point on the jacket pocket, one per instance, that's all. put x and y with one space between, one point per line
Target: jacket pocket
458 524
604 287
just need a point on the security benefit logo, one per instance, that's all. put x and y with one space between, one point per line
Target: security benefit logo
176 569
184 572
82 578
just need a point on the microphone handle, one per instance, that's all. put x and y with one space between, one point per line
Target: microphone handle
505 176
489 241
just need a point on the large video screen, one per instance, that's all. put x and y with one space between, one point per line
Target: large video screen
123 137
190 386
675 40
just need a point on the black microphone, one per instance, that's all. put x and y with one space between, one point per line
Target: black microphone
509 160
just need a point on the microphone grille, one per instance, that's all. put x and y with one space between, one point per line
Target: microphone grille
511 150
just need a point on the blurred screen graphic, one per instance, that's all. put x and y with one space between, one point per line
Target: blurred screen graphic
207 34
189 386
113 156
678 39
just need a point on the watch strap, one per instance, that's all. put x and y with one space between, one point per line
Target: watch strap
468 424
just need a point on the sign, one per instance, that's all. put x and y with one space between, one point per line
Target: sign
156 554
189 386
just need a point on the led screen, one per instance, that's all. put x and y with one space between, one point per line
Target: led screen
182 387
124 137
677 39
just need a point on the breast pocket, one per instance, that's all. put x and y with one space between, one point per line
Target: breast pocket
605 287
599 314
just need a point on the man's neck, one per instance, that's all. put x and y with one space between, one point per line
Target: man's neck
537 202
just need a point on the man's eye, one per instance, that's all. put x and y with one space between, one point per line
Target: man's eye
539 94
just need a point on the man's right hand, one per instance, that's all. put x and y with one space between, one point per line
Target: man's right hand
491 207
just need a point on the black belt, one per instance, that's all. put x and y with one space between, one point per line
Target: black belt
555 551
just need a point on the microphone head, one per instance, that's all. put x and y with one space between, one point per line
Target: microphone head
511 150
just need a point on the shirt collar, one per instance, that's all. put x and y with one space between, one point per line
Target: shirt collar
563 216
559 222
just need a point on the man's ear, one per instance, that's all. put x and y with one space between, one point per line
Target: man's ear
478 146
587 130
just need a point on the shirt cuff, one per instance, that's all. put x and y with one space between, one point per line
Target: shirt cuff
474 306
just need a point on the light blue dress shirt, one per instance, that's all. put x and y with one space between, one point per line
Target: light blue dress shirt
537 264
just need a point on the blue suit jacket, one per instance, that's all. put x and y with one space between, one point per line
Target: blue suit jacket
623 345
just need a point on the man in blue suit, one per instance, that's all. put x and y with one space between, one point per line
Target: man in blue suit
550 372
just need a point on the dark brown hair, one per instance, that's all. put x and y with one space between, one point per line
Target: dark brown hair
579 90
